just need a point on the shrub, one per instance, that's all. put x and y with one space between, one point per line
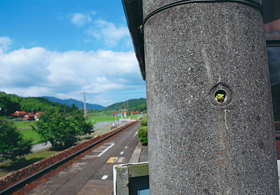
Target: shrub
143 135
143 131
144 121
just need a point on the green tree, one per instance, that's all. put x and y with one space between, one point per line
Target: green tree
12 143
7 107
61 129
73 107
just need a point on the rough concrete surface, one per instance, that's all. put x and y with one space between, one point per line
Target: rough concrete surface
97 187
136 153
198 145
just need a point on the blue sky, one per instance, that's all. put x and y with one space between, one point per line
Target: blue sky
62 48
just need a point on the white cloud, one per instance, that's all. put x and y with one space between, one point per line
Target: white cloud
39 72
80 19
102 30
108 32
5 42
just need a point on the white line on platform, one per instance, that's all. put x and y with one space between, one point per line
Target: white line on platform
106 149
125 147
121 152
97 150
135 134
104 177
90 156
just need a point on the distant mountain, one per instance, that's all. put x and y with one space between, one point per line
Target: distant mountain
133 105
77 103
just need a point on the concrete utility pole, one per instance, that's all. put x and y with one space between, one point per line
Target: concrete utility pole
85 105
196 52
210 117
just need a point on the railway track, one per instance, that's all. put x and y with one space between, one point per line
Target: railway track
26 179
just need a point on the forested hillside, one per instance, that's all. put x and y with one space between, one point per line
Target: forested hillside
133 105
10 103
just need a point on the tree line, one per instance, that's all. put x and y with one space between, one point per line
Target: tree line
10 103
133 105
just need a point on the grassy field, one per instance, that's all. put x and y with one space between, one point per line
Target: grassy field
29 133
109 118
102 118
23 123
135 117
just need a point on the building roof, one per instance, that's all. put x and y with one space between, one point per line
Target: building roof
134 16
39 113
19 113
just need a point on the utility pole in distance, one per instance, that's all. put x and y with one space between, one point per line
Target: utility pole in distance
85 105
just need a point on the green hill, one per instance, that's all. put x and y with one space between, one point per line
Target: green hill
10 103
133 105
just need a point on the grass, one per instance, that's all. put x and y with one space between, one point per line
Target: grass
102 118
23 123
10 166
29 133
135 117
109 118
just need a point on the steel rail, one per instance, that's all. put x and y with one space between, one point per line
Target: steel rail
65 159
